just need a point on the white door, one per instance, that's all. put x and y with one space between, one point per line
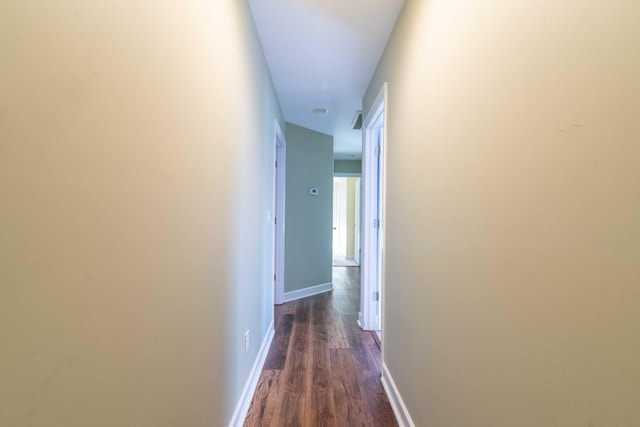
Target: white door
379 241
356 234
279 215
336 217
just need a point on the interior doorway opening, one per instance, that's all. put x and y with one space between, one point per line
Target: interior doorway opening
346 221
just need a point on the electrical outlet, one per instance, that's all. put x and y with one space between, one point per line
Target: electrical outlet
246 342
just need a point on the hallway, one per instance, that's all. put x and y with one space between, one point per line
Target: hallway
322 369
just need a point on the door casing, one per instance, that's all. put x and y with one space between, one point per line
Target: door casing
279 177
373 205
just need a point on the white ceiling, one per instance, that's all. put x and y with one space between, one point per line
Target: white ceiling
322 53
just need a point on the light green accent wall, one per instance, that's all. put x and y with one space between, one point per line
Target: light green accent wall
309 218
136 173
513 212
347 166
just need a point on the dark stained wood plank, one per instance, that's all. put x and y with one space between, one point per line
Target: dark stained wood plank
322 410
352 331
351 407
297 368
379 406
287 308
373 347
302 309
280 345
376 338
335 331
265 400
335 327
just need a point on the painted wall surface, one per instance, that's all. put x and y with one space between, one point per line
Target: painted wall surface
347 166
309 218
512 258
136 162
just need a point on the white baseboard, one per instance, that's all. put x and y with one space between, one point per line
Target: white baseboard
242 408
397 404
307 292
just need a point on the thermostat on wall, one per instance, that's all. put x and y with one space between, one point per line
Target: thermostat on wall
313 191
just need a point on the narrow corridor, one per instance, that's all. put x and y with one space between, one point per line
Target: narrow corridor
322 369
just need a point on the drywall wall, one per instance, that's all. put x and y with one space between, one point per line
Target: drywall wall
136 162
309 218
347 166
513 212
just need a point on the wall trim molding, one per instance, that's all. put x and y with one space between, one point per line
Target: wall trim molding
240 414
307 292
397 404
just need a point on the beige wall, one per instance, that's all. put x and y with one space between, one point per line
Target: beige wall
136 152
513 258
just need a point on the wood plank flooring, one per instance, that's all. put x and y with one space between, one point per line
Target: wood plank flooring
322 369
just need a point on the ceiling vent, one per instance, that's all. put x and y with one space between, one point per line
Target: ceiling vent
357 121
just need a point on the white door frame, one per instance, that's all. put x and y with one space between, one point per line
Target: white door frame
372 236
279 177
358 221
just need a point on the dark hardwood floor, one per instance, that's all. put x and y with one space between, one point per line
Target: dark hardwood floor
322 369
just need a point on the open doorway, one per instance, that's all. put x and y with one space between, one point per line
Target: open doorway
373 168
346 221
